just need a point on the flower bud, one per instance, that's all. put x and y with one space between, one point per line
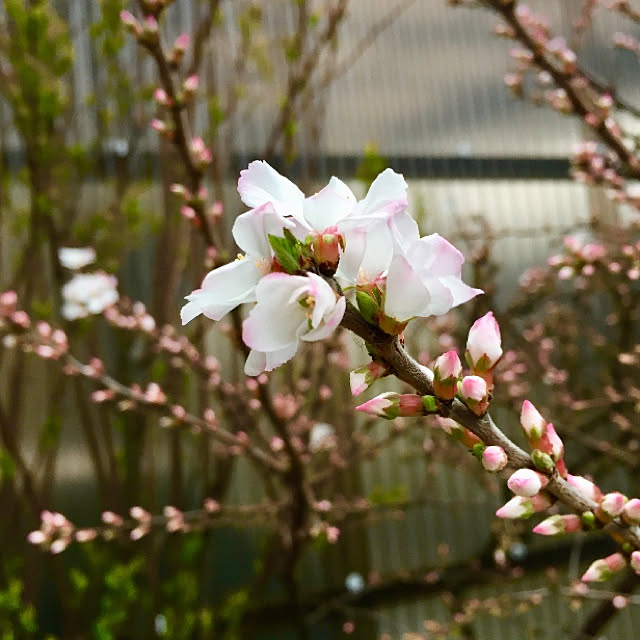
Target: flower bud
362 378
587 488
542 461
612 504
631 511
555 525
635 561
150 28
130 23
190 85
393 405
494 458
604 568
447 370
532 422
473 390
522 507
526 482
484 344
326 249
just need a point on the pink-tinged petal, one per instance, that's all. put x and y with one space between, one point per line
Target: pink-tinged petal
222 290
331 321
387 193
532 422
517 507
330 205
635 561
525 482
460 292
251 230
494 459
484 344
261 183
406 296
435 256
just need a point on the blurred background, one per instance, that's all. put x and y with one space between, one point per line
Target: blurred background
409 546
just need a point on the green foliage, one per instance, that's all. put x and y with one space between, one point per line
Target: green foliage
288 251
18 619
371 165
385 496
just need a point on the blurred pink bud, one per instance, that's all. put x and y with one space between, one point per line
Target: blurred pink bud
556 525
188 212
484 344
182 43
631 511
150 26
111 518
494 458
612 504
129 21
86 535
36 537
154 394
473 390
635 561
447 371
526 482
333 533
158 125
138 513
603 569
587 488
190 85
211 505
161 97
59 545
532 422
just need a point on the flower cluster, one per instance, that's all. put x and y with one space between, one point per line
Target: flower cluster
303 255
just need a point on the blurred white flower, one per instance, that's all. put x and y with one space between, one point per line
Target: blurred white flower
354 582
322 436
88 293
76 257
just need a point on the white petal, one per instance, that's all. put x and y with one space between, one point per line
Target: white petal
460 291
406 296
258 361
327 207
331 321
387 193
223 289
76 257
260 183
276 321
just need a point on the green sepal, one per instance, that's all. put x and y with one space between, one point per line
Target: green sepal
542 461
477 450
287 251
367 306
588 519
430 404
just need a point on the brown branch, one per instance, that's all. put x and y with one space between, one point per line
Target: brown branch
420 378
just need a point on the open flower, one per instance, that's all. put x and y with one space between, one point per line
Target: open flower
260 183
424 279
289 309
234 283
88 293
76 257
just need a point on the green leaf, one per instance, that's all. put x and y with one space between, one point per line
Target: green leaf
367 305
287 253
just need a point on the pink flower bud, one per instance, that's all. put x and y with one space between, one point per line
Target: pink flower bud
587 488
392 405
484 344
129 21
362 378
555 525
526 482
161 97
631 511
603 569
37 537
158 125
150 26
522 507
182 43
86 535
532 422
612 504
447 370
494 458
473 390
635 561
190 85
